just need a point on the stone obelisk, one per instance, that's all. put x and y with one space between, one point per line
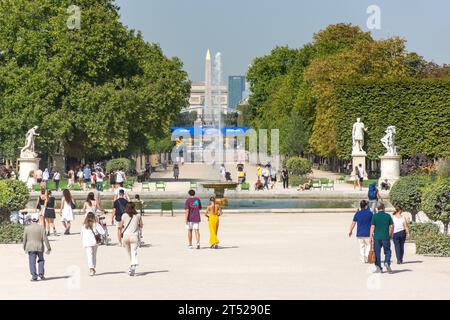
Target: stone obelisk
207 108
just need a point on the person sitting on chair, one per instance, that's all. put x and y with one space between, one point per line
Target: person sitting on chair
385 185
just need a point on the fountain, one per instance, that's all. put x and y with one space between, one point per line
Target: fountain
217 123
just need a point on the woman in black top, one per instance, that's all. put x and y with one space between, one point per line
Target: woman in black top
285 177
49 213
40 206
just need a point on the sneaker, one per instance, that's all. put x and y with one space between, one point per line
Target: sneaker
378 270
91 273
55 233
388 267
191 247
42 277
34 279
48 233
198 245
132 272
66 232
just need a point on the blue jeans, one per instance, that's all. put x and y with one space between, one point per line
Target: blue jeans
386 245
399 243
32 262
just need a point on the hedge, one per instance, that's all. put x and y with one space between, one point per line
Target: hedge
14 196
11 232
436 202
434 244
295 181
298 166
419 110
419 229
119 163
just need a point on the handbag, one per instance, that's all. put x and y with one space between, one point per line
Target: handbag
371 257
98 237
73 205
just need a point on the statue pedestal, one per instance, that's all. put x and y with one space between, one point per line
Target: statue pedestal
390 168
358 158
26 165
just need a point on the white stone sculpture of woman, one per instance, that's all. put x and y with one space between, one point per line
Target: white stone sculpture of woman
388 141
28 150
358 136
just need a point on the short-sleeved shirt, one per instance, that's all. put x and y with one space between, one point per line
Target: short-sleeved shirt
194 205
133 226
119 205
87 173
363 218
381 221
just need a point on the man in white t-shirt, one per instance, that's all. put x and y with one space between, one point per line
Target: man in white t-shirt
100 176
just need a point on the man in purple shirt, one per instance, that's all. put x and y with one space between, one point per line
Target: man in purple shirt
193 206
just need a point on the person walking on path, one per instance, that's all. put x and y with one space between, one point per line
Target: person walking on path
129 228
176 171
120 177
100 178
273 177
401 233
80 177
45 177
86 176
33 243
285 177
213 212
363 220
266 175
91 205
71 178
67 206
374 196
56 179
91 233
192 206
40 206
359 176
39 175
119 210
380 237
259 172
49 213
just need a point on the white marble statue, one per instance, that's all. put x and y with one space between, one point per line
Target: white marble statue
28 150
388 141
358 136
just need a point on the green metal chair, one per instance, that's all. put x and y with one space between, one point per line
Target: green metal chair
329 185
316 184
245 186
146 185
166 206
193 185
160 185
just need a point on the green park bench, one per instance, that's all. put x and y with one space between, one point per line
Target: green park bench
160 185
166 206
341 179
193 185
245 186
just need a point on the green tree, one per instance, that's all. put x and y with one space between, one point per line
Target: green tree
407 192
99 90
436 202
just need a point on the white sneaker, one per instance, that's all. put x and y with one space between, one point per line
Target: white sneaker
191 247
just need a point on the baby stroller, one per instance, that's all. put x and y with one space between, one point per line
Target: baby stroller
105 238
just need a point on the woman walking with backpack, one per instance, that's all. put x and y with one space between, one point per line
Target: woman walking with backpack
91 233
374 196
129 234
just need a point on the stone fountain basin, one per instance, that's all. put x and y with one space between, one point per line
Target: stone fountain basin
220 187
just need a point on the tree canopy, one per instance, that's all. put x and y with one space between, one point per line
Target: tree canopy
98 90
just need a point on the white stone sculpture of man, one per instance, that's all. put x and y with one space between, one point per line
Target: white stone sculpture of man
358 136
388 141
30 137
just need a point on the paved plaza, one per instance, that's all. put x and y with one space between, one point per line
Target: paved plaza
265 256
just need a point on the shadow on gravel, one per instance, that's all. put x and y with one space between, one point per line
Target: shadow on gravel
408 262
57 278
399 271
141 274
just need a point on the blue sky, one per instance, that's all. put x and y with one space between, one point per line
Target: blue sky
244 29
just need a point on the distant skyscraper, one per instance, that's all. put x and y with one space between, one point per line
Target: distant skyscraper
236 88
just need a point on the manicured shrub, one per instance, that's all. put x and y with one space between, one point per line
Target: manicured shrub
298 166
433 243
436 202
11 232
295 181
13 197
119 163
407 192
418 229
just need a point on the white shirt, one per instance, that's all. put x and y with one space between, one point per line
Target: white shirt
45 175
57 176
119 176
88 235
399 224
360 172
100 176
265 172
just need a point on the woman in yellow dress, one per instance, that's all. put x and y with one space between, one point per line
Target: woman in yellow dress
213 211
